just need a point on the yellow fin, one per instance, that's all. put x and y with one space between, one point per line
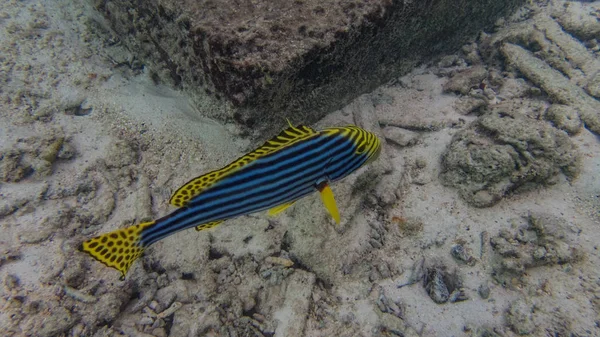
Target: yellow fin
208 225
117 249
329 202
278 209
195 186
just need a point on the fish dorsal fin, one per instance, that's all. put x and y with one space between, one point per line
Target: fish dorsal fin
285 138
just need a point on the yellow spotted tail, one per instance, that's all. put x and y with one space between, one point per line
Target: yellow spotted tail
117 249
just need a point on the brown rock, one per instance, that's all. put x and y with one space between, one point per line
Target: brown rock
258 61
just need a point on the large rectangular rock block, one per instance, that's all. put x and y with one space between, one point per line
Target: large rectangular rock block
257 61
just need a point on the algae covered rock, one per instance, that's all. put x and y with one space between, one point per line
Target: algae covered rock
544 240
501 152
520 317
564 117
12 166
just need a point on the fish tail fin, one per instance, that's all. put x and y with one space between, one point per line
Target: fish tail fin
118 249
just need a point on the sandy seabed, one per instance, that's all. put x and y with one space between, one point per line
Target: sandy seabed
481 217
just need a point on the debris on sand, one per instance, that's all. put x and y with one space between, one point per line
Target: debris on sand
463 253
276 260
436 286
416 273
443 286
484 290
463 81
410 226
34 156
400 137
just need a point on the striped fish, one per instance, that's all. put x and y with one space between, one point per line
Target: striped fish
286 168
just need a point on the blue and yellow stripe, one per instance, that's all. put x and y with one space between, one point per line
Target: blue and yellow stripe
286 168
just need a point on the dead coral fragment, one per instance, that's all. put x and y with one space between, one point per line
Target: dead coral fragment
503 151
443 286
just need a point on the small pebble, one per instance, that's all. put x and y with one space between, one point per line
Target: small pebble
159 323
146 320
162 280
11 281
436 287
171 310
400 137
258 317
376 244
421 163
458 295
149 311
159 332
279 260
78 330
484 290
539 253
78 295
416 273
384 270
463 254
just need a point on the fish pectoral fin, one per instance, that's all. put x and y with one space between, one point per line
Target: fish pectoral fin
329 201
278 209
208 225
192 188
